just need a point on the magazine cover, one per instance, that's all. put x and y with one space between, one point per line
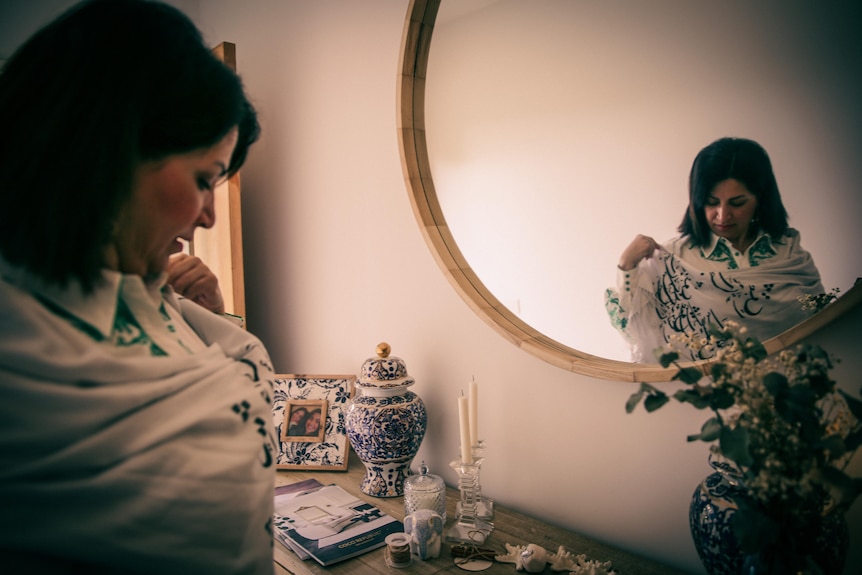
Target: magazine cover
330 524
285 492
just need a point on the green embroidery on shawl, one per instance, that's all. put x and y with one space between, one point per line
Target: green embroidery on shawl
615 310
171 327
761 250
128 332
721 253
75 321
164 312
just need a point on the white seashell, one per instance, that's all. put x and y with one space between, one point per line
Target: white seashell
513 555
534 558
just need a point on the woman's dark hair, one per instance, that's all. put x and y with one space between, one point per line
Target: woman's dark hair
745 161
106 86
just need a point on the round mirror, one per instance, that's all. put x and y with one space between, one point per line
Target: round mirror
546 167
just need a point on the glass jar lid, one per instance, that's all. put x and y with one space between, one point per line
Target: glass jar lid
424 481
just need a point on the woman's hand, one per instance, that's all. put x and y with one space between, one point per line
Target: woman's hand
641 247
191 278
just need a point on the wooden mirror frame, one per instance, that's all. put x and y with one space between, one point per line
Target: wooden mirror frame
415 47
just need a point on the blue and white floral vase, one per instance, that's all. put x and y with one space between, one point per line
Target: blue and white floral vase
385 423
713 506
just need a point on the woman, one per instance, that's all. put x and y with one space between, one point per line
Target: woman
135 426
296 425
311 423
736 259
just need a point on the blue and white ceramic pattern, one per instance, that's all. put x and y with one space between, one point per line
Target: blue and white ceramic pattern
385 424
712 508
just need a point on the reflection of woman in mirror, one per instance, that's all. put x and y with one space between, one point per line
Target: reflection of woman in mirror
296 425
736 259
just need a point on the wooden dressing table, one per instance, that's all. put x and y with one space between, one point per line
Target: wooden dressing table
509 527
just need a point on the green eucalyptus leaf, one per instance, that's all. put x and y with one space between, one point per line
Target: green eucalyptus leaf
797 405
821 384
719 333
721 398
709 431
734 444
810 352
754 349
634 400
775 383
655 401
693 397
689 375
718 371
668 358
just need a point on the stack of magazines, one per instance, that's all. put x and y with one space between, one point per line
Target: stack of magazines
327 523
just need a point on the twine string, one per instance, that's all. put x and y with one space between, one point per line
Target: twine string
397 550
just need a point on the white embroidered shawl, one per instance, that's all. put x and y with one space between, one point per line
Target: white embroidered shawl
141 464
679 290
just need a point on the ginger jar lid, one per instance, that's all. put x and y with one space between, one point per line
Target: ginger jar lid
384 372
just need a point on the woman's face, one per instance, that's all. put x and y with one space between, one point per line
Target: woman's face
313 423
171 197
729 210
297 416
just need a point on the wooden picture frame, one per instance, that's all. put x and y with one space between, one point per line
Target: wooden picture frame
328 449
300 413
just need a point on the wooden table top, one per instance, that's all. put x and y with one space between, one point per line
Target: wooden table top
510 527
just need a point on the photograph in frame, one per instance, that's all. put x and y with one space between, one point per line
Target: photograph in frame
307 400
306 420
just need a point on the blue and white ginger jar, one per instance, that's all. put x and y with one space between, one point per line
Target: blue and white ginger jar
711 512
385 423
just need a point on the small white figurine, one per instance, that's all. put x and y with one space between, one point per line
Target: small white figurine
425 528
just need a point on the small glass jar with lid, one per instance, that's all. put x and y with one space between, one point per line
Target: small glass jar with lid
425 491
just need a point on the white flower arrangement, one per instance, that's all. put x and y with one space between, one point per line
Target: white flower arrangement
781 426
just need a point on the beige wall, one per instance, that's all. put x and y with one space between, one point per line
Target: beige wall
335 264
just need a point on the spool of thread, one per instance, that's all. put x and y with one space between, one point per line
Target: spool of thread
397 550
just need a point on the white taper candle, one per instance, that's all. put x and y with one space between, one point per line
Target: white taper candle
464 419
474 413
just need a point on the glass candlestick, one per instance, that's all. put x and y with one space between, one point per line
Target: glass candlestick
469 528
484 505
